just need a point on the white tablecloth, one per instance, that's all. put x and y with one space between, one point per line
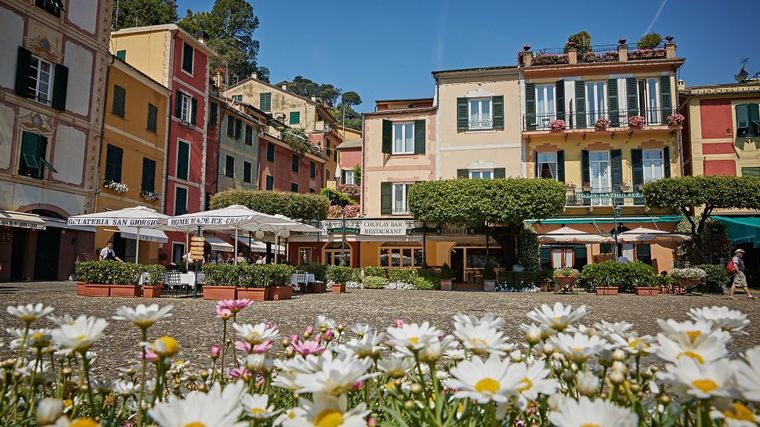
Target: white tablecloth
186 278
309 278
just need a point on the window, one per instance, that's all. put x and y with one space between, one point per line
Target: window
293 187
183 159
230 126
213 113
270 183
121 54
747 120
403 138
247 172
652 161
562 257
481 173
152 124
265 101
229 166
545 106
312 169
178 252
270 152
479 113
32 161
401 257
187 58
295 117
41 80
751 171
185 107
348 177
311 190
52 7
180 201
337 255
596 102
294 162
547 165
237 98
248 135
649 100
148 175
400 202
113 163
304 256
601 179
119 100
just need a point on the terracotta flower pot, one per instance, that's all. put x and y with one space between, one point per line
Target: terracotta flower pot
128 291
152 291
215 293
664 289
338 288
688 284
606 290
93 290
279 293
647 290
255 294
445 284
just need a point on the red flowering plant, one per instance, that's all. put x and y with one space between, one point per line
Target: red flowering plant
676 119
637 121
601 123
558 125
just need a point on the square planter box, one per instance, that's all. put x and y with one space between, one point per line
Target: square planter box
489 285
317 288
152 291
215 293
93 290
128 291
338 288
446 284
606 290
279 293
647 291
255 294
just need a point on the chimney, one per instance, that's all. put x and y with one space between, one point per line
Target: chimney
202 36
218 79
284 86
314 98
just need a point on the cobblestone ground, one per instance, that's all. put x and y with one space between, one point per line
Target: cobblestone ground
196 328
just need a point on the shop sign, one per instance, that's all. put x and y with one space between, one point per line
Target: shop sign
382 227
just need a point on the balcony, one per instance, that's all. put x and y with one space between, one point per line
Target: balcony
603 197
609 53
605 121
480 124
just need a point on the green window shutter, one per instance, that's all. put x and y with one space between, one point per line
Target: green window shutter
248 135
113 163
616 168
419 137
119 100
666 161
178 104
152 124
187 58
387 136
214 112
580 104
754 120
535 164
270 152
270 183
238 128
294 162
498 111
229 166
148 175
742 120
585 173
530 106
462 119
637 169
312 169
180 201
29 163
295 117
24 73
463 173
559 96
386 198
666 99
60 87
632 95
561 165
121 54
230 126
499 172
751 171
194 112
612 102
183 159
247 172
265 101
293 187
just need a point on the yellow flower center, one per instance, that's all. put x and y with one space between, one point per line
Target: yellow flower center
257 411
638 343
167 346
693 335
697 358
527 384
705 385
195 424
84 422
591 425
414 340
329 418
479 342
487 385
739 412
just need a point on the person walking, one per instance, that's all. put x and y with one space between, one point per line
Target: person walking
108 253
737 270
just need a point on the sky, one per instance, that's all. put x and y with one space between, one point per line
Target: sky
387 49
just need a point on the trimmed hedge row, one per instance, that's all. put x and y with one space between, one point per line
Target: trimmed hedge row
624 276
118 273
247 275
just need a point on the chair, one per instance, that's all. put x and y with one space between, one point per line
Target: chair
173 279
301 277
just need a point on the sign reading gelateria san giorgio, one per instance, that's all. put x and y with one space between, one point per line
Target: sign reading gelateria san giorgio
372 227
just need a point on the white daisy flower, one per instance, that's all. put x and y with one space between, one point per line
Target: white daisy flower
455 354
699 380
632 344
586 412
689 331
721 317
610 328
703 349
747 374
125 388
483 381
490 319
361 329
395 366
257 406
412 337
324 323
35 337
367 344
29 313
435 350
587 383
535 333
143 316
482 339
258 333
735 415
48 411
217 408
558 317
533 380
65 319
257 363
579 347
80 335
324 410
335 376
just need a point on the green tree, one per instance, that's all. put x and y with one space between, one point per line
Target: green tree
230 25
649 41
305 87
138 13
582 42
305 207
501 204
350 98
337 198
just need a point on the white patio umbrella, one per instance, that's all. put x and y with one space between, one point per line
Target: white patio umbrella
137 217
571 235
282 226
643 235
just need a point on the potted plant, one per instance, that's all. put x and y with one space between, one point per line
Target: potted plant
280 288
647 286
558 125
637 122
602 123
446 277
565 278
153 280
489 278
665 283
604 277
339 276
688 278
220 281
675 119
108 278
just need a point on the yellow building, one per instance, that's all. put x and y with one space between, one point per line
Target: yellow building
602 123
132 155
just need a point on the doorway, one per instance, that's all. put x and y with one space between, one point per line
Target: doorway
457 264
18 255
46 260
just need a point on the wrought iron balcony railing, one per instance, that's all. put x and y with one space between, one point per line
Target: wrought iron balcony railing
604 197
601 120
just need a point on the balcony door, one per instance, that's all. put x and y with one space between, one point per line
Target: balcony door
596 102
545 106
649 100
601 178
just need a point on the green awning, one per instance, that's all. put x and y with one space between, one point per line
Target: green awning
742 229
606 220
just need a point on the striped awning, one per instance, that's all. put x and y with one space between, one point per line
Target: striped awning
217 244
21 220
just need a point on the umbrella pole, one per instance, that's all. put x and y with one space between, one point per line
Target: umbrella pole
276 247
236 243
137 247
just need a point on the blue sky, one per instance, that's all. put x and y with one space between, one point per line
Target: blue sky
387 49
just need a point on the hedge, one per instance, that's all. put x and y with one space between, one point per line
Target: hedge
522 279
624 276
339 274
118 273
374 282
717 278
317 270
247 275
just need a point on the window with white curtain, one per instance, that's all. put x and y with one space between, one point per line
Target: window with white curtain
596 102
400 201
481 173
546 108
653 164
480 113
403 138
547 165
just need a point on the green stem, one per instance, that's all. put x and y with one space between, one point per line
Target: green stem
224 350
86 369
32 386
143 368
234 336
23 345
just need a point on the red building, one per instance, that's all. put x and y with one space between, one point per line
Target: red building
283 168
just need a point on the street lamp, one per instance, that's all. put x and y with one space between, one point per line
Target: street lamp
343 239
616 210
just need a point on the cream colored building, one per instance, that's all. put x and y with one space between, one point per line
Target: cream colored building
478 123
